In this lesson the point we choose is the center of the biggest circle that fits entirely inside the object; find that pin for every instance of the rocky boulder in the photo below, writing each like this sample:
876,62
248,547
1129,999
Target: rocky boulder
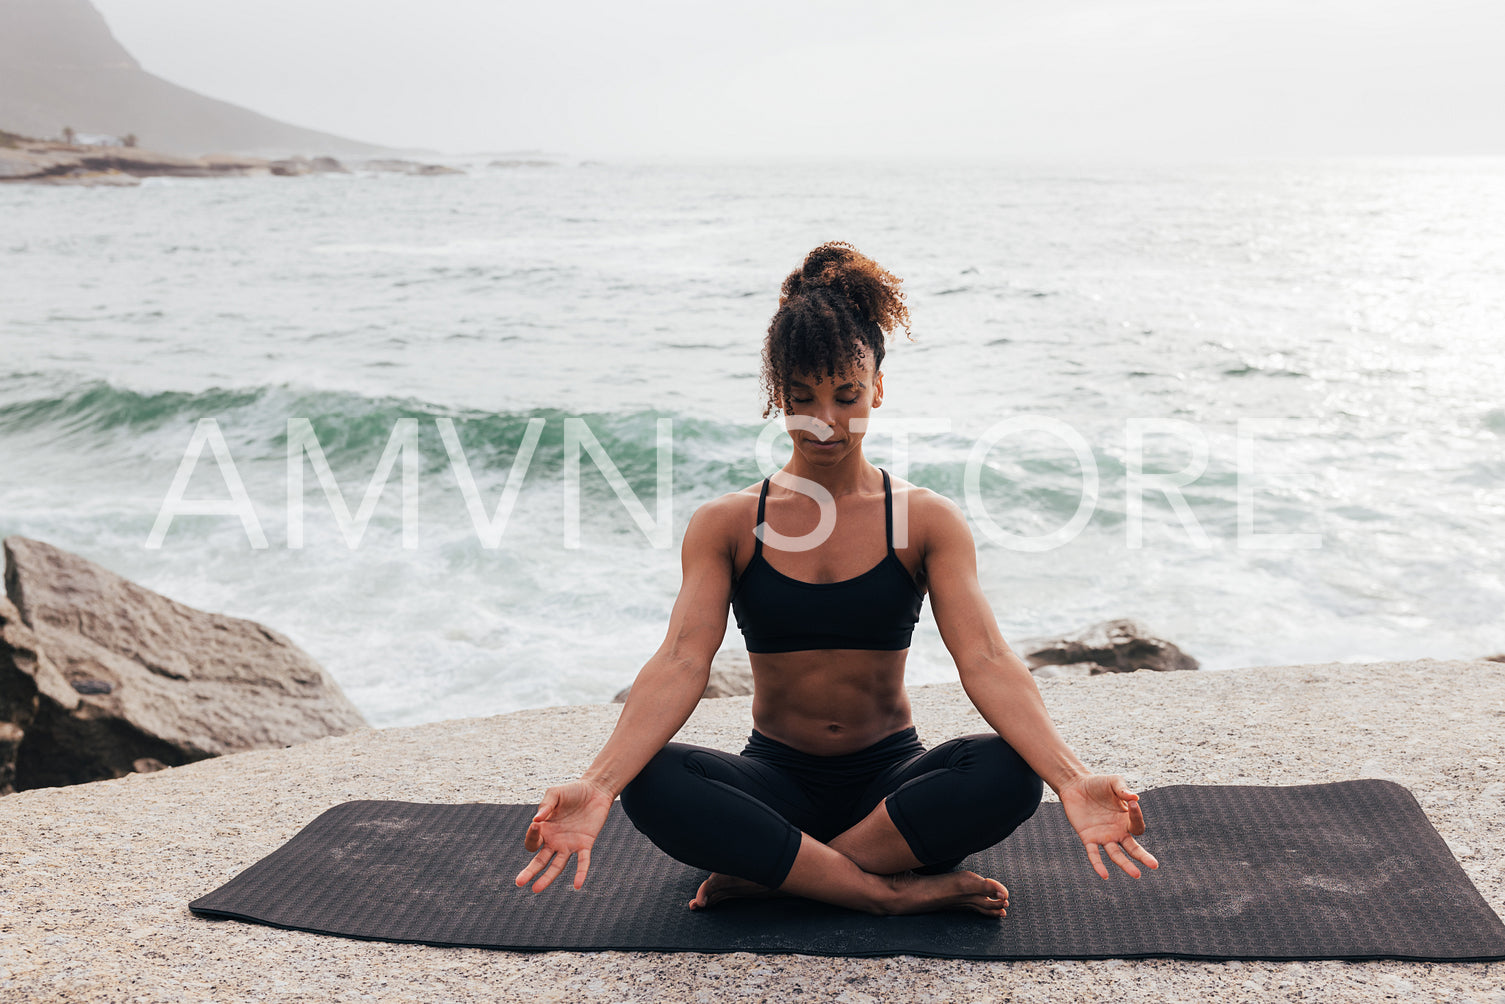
101,677
297,167
1116,646
409,167
731,676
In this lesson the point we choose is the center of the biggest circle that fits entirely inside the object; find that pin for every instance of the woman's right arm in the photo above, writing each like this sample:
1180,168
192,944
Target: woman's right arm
662,698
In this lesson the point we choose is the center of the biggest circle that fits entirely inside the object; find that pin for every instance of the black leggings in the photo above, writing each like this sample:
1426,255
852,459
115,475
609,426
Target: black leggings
743,814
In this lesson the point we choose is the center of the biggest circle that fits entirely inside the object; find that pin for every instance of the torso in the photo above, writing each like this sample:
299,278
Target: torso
839,700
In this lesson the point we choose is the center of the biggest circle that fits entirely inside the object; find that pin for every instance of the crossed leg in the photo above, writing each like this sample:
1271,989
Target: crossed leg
975,789
869,867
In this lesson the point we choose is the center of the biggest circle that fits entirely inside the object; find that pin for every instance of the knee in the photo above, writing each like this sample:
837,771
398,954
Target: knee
985,792
649,795
1016,789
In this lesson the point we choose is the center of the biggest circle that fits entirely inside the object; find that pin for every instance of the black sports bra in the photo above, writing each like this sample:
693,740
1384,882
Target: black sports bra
875,610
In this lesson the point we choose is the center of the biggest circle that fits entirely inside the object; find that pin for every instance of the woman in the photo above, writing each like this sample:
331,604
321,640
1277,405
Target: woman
834,798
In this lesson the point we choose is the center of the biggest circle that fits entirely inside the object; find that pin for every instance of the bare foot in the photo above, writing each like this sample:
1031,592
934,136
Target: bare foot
948,891
721,887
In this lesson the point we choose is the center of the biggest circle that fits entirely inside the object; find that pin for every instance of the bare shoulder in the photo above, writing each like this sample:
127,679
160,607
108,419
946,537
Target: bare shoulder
714,523
731,505
936,505
937,524
928,509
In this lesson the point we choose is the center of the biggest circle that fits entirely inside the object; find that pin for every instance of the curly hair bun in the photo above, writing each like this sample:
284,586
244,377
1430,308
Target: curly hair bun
837,304
871,289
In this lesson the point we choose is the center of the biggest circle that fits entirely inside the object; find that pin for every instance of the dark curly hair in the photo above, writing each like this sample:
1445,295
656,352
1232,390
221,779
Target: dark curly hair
830,307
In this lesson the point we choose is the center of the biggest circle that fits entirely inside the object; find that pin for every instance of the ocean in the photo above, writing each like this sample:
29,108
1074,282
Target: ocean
1307,352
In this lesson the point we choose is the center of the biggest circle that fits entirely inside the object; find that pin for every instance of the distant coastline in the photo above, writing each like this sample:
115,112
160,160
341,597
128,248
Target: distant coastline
55,162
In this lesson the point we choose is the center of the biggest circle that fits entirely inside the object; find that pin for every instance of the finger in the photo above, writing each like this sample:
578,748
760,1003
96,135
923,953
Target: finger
547,806
1122,860
534,867
1140,854
582,865
1136,818
1097,861
552,872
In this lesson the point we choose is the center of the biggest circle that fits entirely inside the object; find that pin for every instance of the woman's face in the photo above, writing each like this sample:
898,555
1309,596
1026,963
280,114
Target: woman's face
819,402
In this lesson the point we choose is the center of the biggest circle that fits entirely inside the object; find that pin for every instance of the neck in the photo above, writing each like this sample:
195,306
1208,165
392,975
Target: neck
849,475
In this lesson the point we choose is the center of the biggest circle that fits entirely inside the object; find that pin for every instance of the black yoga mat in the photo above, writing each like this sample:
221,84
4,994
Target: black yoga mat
1348,870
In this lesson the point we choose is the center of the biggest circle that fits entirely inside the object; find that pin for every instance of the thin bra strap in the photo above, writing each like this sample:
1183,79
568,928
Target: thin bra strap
758,547
888,511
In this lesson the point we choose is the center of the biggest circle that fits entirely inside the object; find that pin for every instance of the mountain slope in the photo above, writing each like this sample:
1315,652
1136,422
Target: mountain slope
61,66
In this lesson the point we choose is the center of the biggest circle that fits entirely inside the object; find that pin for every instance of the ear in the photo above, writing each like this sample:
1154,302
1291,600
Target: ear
877,388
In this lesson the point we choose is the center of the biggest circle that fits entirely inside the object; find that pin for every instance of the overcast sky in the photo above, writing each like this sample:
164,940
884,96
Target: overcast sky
850,77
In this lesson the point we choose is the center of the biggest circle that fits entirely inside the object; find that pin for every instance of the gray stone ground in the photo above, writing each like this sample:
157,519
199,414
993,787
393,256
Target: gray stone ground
95,879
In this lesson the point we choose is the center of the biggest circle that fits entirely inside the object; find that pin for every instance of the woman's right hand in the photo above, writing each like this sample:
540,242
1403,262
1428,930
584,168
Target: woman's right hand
566,823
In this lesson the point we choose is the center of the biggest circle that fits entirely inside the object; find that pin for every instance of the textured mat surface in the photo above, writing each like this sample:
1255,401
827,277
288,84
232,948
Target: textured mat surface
1348,870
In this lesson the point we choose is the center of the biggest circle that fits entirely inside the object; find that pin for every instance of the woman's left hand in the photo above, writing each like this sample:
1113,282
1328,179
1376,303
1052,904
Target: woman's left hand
1104,812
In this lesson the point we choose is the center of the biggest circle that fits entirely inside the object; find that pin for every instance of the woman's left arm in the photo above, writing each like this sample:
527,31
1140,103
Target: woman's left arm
1100,807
